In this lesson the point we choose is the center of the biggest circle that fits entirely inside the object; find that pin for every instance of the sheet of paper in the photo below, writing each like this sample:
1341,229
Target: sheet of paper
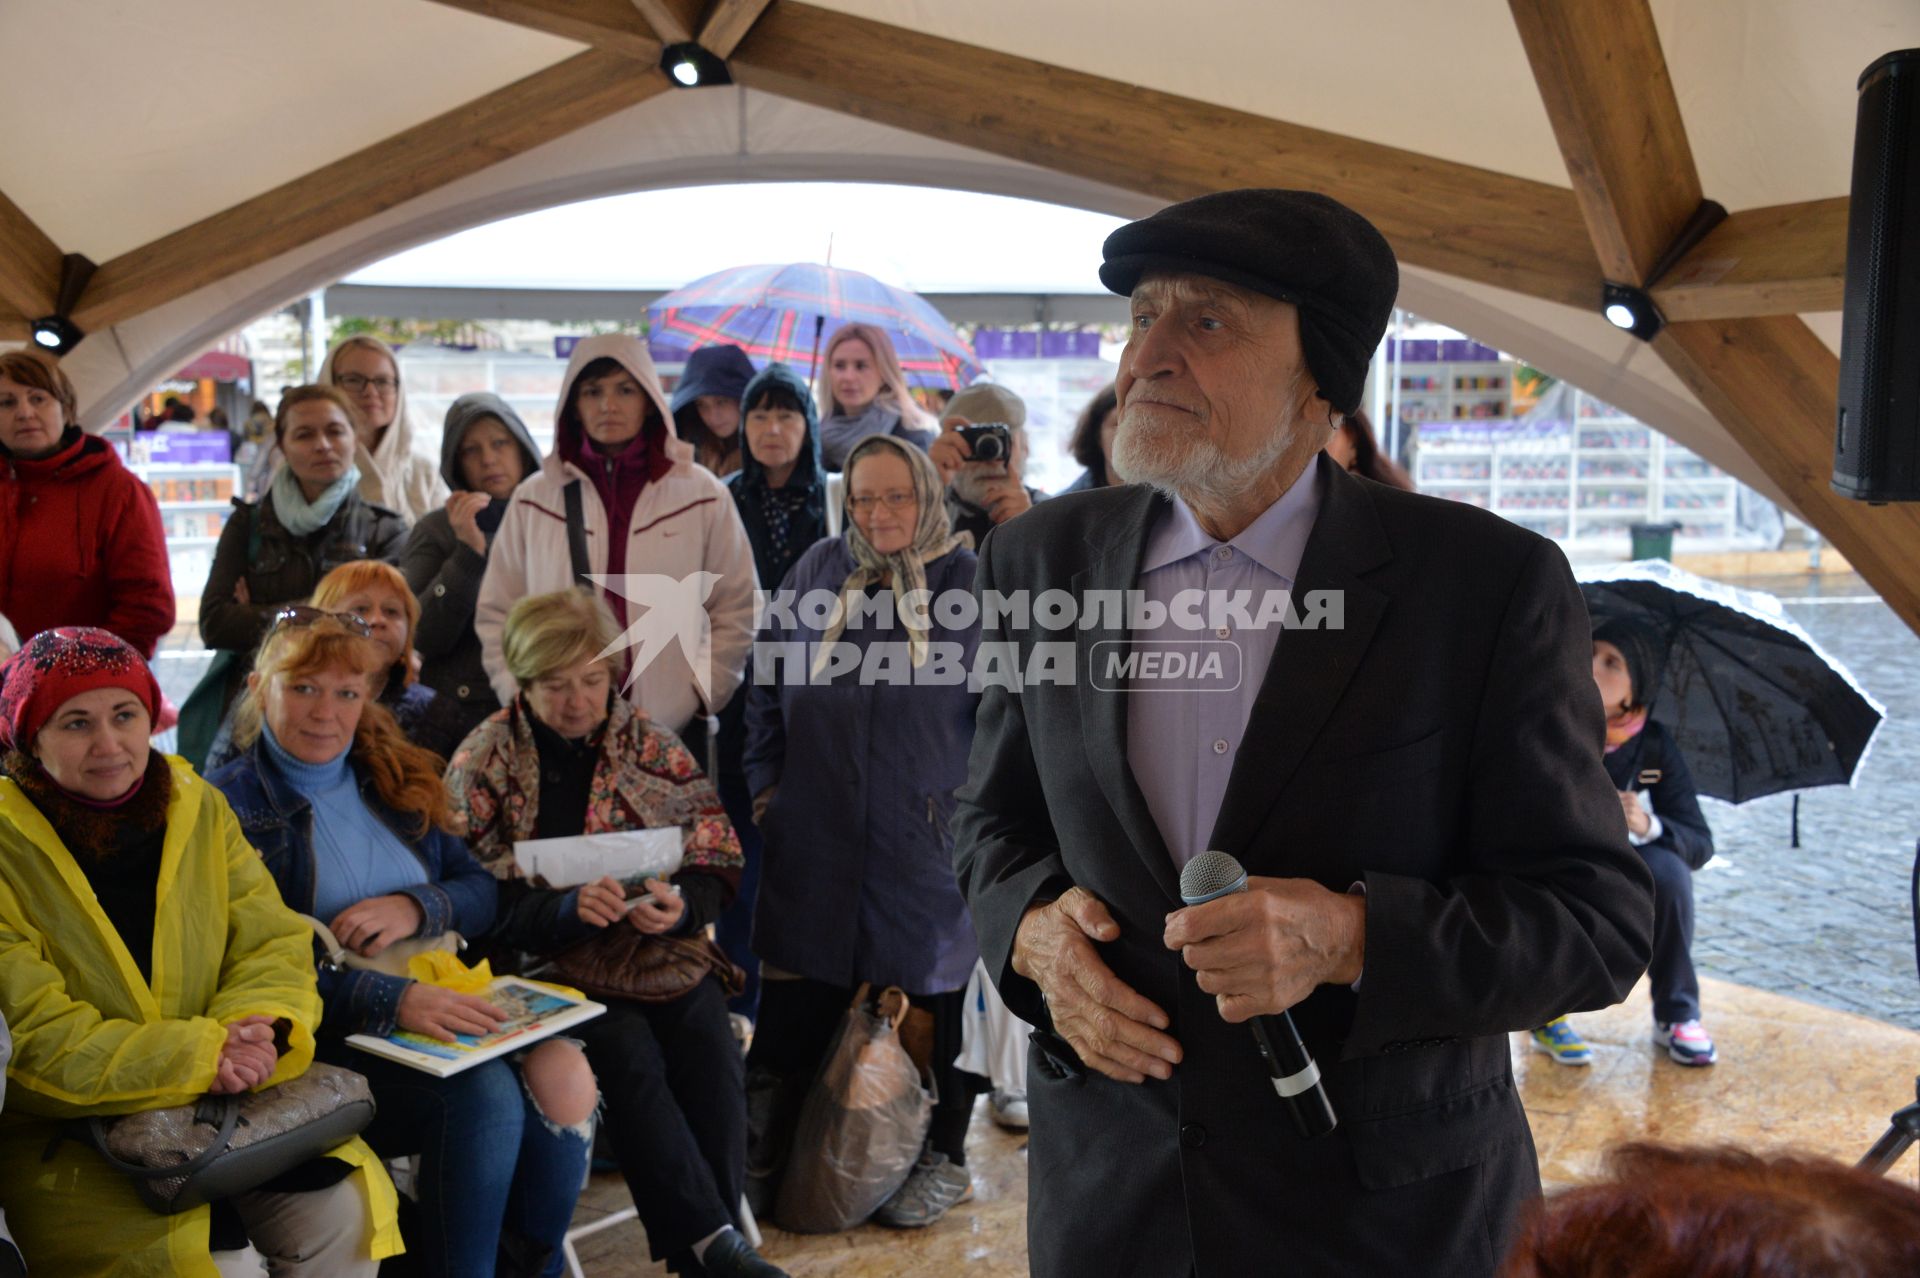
628,855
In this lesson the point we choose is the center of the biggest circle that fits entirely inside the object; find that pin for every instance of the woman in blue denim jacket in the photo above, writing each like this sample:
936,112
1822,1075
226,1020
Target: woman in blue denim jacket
353,823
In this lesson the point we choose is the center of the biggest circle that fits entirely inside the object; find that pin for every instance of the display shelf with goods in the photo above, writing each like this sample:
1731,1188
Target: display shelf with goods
195,499
1583,480
1448,380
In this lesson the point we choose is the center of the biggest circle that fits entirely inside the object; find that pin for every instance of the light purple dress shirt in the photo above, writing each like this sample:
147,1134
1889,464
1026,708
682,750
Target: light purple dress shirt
1181,741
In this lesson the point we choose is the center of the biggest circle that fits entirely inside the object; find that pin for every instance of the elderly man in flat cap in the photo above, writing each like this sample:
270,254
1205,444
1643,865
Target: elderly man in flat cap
1406,763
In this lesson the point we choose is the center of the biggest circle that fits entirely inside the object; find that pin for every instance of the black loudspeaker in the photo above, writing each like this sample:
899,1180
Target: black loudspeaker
1876,447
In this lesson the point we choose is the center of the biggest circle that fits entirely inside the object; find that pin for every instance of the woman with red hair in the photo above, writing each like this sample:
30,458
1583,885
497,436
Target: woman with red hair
357,830
1723,1213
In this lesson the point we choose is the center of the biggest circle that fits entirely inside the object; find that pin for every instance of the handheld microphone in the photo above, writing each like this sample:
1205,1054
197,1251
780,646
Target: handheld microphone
1296,1078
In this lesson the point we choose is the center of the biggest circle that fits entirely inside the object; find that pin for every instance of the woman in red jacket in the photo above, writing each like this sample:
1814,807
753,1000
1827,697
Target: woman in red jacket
80,536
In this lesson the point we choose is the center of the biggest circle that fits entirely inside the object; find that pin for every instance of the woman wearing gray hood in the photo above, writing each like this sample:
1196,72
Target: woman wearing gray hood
485,451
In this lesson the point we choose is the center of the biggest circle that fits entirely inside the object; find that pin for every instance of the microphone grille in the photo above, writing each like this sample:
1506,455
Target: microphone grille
1208,873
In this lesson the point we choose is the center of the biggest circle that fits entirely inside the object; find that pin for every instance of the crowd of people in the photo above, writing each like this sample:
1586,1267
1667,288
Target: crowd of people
420,666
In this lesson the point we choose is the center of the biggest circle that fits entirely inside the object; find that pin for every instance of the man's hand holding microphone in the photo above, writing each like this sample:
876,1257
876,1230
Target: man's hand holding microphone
1258,949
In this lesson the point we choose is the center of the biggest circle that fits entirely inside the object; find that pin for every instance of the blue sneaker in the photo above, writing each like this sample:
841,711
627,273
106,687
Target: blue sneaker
1557,1039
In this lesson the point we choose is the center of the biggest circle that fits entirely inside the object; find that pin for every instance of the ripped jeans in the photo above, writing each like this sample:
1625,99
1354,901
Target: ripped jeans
489,1159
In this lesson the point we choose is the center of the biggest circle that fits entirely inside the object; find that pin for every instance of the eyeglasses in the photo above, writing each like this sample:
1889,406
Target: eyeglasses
355,383
300,616
864,504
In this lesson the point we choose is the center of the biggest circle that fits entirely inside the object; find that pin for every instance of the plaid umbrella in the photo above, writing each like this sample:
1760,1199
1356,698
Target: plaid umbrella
776,312
1757,706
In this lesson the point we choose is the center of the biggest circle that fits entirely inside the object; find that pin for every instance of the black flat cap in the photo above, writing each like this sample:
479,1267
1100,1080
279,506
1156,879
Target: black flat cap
1298,246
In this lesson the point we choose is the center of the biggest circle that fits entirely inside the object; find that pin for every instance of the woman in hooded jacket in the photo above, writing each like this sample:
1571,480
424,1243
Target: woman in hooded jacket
648,519
80,536
706,405
864,392
392,474
485,451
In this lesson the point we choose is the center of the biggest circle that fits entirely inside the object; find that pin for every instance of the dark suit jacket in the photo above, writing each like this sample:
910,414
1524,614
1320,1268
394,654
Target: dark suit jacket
1443,747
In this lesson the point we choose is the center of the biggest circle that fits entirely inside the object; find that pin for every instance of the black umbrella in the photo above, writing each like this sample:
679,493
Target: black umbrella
1752,700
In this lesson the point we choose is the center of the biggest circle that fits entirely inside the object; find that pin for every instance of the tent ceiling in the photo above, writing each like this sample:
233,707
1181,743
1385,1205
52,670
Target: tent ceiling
257,94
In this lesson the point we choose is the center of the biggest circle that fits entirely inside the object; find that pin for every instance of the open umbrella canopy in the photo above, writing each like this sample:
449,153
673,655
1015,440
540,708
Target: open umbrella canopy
1756,704
777,312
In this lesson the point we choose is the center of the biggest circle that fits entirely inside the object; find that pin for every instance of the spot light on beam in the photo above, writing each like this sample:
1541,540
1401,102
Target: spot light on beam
691,67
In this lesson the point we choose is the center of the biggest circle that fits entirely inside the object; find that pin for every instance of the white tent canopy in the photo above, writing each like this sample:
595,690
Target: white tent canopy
196,106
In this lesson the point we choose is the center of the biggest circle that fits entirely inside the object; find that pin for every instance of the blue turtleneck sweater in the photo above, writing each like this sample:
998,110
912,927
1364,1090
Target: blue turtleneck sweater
355,854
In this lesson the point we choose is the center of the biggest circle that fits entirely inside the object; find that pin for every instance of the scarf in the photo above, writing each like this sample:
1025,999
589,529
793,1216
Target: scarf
933,537
1624,728
298,515
778,506
92,830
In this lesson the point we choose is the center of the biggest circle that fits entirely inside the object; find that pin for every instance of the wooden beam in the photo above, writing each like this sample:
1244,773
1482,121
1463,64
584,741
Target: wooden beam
15,328
728,24
1604,81
1774,385
504,123
1785,260
29,263
613,25
1473,223
674,21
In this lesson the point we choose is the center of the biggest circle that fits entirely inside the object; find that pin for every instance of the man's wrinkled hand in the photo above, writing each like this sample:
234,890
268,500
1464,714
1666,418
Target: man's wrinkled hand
1261,951
1115,1030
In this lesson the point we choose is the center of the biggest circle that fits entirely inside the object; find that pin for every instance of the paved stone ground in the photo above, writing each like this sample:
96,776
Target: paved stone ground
1830,922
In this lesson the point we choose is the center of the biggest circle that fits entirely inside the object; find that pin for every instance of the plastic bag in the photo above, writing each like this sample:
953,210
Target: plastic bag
862,1125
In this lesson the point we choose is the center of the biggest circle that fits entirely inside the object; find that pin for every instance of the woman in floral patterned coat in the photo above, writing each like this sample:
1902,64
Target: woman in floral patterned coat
569,756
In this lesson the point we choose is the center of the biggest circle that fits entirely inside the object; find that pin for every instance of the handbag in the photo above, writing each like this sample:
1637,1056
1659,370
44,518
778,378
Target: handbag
392,960
622,962
186,1156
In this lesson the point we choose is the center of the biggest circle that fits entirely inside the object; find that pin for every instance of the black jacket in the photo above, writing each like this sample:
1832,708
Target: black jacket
1442,747
444,573
1683,830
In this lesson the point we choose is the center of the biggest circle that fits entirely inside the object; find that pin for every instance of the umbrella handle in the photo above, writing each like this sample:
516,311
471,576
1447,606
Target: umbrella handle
813,361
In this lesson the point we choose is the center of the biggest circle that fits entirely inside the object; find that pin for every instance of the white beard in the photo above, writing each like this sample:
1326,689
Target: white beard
1200,474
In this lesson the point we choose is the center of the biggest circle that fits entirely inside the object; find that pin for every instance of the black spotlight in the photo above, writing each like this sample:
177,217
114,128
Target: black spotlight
1630,308
56,334
691,67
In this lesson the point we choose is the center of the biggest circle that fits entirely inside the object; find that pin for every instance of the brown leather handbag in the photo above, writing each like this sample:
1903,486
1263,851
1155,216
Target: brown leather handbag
622,962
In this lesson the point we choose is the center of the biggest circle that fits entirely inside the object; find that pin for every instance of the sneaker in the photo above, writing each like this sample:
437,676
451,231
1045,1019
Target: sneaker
1686,1043
1557,1039
1009,1110
933,1188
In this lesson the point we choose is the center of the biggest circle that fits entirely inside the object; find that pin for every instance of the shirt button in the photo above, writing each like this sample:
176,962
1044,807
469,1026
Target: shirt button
1220,747
1193,1135
439,589
1223,554
461,692
1225,632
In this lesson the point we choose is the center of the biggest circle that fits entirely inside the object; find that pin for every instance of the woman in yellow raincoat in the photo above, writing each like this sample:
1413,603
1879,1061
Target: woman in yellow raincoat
146,959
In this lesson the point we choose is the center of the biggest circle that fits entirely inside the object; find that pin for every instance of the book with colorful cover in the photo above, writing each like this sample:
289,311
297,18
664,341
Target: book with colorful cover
535,1010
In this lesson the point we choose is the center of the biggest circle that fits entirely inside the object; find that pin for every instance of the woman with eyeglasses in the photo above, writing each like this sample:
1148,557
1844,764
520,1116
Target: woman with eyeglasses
392,473
273,552
356,828
853,757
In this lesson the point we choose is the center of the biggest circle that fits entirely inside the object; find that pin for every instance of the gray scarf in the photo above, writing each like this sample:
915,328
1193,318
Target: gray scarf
298,515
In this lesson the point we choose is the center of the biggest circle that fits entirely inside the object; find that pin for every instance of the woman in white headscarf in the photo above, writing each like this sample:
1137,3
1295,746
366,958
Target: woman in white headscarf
854,757
392,473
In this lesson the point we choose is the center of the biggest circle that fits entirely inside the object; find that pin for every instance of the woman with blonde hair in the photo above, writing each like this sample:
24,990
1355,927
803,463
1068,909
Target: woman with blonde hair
355,827
392,473
146,962
567,757
864,392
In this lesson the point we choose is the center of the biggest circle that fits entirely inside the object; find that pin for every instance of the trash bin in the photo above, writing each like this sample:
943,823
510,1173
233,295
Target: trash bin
1652,541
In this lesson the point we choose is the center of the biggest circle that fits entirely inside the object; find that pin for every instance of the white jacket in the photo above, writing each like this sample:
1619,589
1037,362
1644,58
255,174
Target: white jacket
684,522
394,474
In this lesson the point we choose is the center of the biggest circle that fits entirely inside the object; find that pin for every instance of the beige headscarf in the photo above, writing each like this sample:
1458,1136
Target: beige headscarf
933,536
